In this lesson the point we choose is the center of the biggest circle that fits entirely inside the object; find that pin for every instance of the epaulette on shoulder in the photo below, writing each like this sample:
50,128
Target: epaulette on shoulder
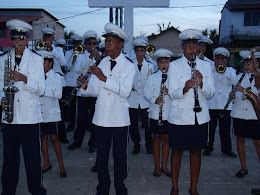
4,53
156,71
129,59
35,52
59,73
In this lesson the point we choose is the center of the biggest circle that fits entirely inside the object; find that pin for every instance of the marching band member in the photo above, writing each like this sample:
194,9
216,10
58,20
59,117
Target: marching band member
244,117
112,83
71,77
59,64
205,51
257,85
86,105
51,112
61,43
188,129
28,74
156,93
224,78
59,59
138,104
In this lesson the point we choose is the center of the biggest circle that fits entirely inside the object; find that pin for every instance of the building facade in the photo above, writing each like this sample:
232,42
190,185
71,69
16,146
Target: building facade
38,18
239,27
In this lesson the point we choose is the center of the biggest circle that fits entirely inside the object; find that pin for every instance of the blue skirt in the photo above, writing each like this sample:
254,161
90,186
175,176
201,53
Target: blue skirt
50,128
247,128
188,137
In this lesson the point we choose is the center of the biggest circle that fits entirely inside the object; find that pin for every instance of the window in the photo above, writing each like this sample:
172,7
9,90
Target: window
252,18
2,33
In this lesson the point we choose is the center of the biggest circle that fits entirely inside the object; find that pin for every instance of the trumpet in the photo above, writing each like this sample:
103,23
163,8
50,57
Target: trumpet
197,107
221,68
40,45
150,50
79,49
73,93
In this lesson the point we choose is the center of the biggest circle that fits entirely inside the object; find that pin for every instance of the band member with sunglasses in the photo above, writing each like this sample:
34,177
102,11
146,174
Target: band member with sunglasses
86,105
28,76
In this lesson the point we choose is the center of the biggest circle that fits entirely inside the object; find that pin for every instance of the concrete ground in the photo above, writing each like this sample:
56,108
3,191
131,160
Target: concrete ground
217,176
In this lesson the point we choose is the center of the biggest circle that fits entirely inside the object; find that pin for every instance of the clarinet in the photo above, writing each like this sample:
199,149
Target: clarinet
197,107
160,121
73,93
230,98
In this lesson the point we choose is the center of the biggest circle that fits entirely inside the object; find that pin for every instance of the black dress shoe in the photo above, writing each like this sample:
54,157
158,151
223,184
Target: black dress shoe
73,146
207,151
48,168
191,193
64,140
92,149
255,191
94,169
230,153
63,174
136,149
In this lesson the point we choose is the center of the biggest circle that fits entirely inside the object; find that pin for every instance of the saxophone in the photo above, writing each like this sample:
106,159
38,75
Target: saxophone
253,98
9,90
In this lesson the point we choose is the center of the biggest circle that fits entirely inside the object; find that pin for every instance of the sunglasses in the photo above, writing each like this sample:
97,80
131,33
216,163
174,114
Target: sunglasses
92,43
20,37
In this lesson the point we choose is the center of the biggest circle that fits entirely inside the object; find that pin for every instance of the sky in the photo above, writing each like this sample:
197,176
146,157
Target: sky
79,18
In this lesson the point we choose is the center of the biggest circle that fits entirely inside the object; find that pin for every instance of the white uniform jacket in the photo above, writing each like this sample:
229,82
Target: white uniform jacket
59,60
27,108
136,97
243,109
50,101
82,67
152,91
182,105
72,76
223,86
209,60
112,106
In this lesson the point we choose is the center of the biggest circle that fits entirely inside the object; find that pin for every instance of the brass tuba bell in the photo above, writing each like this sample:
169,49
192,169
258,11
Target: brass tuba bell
150,50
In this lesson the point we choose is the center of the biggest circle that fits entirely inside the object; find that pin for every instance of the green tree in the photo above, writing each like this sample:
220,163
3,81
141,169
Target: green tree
162,28
67,34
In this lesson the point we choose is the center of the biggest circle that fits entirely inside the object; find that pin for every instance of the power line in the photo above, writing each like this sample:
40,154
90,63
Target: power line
81,14
198,6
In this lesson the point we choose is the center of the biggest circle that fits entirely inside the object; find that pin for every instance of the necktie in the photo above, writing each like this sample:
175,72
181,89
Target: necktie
113,63
139,66
45,77
251,78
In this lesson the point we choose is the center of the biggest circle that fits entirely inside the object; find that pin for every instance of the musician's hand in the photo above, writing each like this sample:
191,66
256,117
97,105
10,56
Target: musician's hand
79,78
159,100
239,88
85,85
188,85
232,95
48,45
257,82
4,103
74,59
165,90
94,54
98,72
199,77
17,76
